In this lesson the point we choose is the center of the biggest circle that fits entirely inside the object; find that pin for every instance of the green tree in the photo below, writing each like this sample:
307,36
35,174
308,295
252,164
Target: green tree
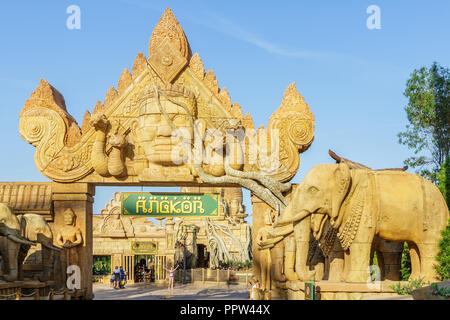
428,112
443,179
443,258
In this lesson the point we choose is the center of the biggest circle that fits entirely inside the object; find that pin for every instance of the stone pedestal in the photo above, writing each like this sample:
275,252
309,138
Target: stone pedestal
328,290
78,197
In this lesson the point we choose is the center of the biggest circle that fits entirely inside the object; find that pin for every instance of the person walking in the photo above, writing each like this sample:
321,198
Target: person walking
116,277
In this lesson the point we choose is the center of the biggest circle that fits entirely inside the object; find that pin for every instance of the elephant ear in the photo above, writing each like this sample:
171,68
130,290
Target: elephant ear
342,180
23,225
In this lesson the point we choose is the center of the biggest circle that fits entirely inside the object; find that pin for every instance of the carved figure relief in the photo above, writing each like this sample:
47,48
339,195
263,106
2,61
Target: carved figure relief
70,237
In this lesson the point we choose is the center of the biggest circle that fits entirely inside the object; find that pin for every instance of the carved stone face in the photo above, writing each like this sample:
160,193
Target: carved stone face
163,144
69,217
236,207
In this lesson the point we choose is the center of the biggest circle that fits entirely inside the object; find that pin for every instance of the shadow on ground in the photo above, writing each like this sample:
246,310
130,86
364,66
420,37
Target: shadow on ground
180,292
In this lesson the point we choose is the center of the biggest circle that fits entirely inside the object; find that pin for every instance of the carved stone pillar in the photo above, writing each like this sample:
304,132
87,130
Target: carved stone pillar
79,198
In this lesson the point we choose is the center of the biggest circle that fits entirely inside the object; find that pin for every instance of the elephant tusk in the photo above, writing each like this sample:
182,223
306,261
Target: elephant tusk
19,240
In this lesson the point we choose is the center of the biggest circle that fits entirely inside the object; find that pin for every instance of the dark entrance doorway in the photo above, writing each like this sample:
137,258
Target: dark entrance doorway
203,256
144,268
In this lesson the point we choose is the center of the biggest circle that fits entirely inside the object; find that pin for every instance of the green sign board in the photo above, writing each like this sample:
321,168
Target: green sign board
154,204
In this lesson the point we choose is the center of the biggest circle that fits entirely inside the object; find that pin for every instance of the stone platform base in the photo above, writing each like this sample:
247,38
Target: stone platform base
325,290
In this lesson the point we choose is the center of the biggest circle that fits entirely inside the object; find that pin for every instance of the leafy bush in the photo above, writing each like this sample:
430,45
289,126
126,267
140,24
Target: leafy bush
405,268
442,291
406,289
236,264
443,258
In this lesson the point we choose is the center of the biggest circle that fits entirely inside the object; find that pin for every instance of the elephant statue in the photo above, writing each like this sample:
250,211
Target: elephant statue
17,234
363,204
34,228
305,256
12,246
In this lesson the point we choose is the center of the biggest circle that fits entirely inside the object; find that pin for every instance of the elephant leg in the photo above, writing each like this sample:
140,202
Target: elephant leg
23,252
415,261
381,264
46,264
428,253
336,266
277,256
302,231
12,261
359,262
289,259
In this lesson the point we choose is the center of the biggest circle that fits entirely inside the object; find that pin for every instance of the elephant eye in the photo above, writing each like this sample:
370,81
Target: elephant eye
313,189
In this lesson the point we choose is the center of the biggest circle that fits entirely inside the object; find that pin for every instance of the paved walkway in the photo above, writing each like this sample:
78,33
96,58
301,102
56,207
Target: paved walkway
142,291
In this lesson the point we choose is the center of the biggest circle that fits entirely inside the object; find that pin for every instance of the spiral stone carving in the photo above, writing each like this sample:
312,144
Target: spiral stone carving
44,129
301,132
293,124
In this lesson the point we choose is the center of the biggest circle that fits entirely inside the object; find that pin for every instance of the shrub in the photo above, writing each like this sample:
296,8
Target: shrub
405,268
442,291
443,258
406,289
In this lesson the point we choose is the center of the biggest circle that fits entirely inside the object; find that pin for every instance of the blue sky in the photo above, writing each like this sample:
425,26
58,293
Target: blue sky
352,78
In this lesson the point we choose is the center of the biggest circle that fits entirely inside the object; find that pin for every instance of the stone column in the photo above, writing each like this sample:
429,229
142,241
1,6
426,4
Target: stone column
79,198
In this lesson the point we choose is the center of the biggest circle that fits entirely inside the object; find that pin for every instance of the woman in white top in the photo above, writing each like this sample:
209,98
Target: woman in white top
254,289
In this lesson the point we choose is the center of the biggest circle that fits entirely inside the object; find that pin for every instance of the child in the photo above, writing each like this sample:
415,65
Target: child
116,277
123,278
113,277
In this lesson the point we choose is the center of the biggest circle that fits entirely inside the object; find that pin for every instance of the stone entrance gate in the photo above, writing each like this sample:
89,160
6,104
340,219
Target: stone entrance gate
166,124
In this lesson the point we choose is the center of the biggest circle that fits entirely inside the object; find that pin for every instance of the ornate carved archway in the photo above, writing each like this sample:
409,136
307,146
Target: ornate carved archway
167,124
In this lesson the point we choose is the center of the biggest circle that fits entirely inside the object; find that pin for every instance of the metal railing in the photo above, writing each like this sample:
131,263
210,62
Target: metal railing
63,294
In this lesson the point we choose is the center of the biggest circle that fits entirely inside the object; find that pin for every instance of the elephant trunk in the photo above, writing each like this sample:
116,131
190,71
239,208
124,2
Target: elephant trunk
291,215
20,240
52,247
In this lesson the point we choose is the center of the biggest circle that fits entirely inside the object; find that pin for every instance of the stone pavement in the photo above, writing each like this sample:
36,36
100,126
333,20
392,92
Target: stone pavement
142,291
393,297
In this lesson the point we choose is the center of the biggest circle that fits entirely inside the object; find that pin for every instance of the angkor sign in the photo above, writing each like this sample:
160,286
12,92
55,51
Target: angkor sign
144,247
170,204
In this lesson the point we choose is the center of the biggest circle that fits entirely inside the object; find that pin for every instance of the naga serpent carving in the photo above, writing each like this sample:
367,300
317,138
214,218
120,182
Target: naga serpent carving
114,164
